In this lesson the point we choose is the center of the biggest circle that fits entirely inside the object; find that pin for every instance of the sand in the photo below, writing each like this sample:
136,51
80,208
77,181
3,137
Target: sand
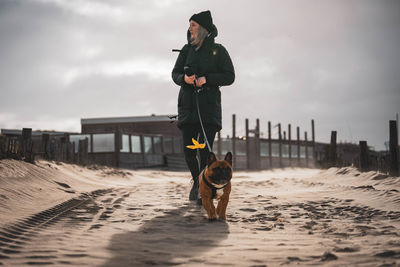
67,215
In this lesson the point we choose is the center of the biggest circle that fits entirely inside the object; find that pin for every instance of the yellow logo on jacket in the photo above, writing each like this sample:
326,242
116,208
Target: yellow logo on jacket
196,145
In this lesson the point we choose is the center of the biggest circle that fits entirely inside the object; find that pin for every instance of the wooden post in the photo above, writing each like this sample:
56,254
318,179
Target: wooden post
298,146
162,144
10,146
3,141
63,149
130,143
53,148
118,145
85,151
280,145
74,154
7,147
219,148
269,144
258,148
67,147
45,145
91,144
247,144
81,146
57,144
142,149
364,162
332,150
306,147
290,143
397,125
25,135
313,143
153,150
71,152
27,145
234,140
393,148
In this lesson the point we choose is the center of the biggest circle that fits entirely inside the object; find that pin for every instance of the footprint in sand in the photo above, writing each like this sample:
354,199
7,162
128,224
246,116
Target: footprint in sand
346,249
96,226
63,184
248,210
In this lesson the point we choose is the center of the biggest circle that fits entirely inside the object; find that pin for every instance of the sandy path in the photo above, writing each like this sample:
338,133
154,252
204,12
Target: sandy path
284,217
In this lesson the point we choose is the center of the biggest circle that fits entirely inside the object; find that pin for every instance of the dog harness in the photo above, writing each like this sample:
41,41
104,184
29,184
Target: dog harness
213,188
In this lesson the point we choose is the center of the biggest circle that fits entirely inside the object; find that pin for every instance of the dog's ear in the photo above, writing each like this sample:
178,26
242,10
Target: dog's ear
228,158
211,158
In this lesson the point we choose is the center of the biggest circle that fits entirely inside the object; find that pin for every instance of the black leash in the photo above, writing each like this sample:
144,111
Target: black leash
196,92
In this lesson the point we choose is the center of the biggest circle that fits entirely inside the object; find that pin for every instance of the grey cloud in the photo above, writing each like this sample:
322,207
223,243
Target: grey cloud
334,61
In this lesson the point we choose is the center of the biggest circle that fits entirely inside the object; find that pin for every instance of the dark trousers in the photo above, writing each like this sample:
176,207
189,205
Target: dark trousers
190,131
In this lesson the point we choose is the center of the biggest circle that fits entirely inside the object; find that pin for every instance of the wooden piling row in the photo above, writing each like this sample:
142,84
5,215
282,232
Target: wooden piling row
26,147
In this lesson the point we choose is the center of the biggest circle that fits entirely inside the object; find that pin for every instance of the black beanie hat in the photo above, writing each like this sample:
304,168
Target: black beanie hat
204,19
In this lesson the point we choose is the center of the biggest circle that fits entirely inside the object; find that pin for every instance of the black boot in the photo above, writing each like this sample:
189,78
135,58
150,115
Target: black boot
194,192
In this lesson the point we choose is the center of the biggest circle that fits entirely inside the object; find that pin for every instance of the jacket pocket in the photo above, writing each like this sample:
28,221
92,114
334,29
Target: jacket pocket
213,96
185,98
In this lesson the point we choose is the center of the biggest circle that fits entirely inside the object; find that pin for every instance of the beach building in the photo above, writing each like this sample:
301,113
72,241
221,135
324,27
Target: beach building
132,142
155,141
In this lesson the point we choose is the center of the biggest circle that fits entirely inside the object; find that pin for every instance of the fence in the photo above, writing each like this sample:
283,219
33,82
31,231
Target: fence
364,158
27,147
252,152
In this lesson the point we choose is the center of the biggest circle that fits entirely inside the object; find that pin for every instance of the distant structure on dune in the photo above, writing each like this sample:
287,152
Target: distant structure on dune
155,141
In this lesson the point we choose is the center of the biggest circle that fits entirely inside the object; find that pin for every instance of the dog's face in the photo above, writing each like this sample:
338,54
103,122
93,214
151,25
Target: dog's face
219,171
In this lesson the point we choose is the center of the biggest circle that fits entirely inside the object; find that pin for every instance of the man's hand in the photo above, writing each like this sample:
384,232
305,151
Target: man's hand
200,81
190,79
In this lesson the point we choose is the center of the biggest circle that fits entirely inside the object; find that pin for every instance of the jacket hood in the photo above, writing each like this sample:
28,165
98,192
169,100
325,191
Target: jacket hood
211,35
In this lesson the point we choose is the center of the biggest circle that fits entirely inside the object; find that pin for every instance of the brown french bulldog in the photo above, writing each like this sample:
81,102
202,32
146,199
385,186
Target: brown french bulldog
215,183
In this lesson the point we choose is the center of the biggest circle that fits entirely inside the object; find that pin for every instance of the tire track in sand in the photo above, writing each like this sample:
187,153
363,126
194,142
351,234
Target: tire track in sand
20,242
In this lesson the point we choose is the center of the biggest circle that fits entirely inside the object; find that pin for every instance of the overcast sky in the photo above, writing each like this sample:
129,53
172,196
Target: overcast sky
337,62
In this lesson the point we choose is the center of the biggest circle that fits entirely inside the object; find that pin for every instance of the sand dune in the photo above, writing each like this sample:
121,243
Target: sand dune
67,215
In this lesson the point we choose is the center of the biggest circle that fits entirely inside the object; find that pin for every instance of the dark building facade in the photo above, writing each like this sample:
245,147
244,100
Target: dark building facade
132,142
155,124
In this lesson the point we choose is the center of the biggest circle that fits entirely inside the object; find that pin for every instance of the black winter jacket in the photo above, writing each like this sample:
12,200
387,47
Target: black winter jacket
212,61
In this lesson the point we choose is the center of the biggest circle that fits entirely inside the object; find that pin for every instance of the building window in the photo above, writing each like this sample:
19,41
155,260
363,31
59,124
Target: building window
157,144
275,149
264,149
125,143
178,145
294,151
168,144
302,152
136,147
285,151
103,143
148,147
226,145
241,149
